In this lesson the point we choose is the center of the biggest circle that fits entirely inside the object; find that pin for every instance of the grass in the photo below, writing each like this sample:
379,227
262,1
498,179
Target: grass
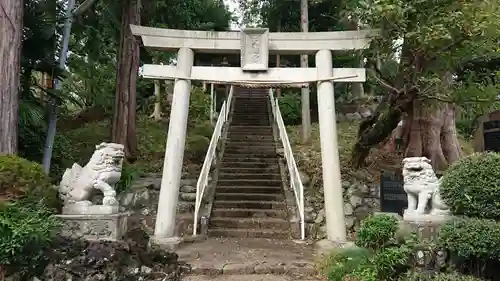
152,136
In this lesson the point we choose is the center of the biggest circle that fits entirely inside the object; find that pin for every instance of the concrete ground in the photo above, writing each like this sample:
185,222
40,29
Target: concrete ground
248,259
253,277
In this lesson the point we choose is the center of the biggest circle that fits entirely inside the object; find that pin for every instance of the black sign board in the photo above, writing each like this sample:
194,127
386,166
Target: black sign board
393,198
491,132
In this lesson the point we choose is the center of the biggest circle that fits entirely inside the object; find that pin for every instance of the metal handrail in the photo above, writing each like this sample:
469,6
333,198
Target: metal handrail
293,171
210,156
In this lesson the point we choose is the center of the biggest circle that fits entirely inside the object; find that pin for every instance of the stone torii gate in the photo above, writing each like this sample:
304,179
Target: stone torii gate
255,45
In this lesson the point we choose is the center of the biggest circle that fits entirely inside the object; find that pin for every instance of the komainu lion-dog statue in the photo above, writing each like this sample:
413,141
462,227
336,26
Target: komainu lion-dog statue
422,187
102,172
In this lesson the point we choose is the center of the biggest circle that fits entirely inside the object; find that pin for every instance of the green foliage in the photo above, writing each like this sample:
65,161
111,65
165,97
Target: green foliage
26,229
377,231
129,174
471,186
454,276
471,238
344,262
199,106
20,179
290,107
380,257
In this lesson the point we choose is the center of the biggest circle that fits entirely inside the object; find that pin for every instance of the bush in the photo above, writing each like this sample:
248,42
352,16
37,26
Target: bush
377,231
471,238
417,276
345,262
196,147
471,186
26,230
199,106
290,107
203,129
129,174
23,179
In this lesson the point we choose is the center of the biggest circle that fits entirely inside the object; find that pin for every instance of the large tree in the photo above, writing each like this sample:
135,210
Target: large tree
11,30
124,118
434,37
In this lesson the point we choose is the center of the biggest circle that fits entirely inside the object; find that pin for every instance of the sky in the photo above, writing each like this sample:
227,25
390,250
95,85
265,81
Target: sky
233,6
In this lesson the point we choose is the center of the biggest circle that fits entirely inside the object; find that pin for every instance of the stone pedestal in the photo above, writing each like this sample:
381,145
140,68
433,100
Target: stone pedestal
108,227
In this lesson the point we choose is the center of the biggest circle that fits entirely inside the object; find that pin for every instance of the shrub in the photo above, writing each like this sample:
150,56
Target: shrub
345,262
196,147
129,174
199,106
471,186
26,229
377,231
290,107
203,129
418,276
23,179
471,238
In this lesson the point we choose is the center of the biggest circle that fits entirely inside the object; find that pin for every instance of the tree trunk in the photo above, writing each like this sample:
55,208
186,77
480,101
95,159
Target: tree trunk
304,62
157,111
430,131
124,118
11,28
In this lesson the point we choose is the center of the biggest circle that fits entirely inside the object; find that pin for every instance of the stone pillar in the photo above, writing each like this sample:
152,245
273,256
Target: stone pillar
332,183
174,151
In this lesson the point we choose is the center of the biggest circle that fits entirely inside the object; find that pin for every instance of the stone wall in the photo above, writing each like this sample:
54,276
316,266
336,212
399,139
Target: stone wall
142,199
360,200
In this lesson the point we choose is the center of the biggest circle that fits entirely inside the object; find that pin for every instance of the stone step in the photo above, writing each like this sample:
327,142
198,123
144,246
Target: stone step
250,223
250,138
251,182
247,176
250,170
248,213
254,145
228,159
245,122
251,154
250,233
249,165
261,132
257,150
237,143
270,205
248,196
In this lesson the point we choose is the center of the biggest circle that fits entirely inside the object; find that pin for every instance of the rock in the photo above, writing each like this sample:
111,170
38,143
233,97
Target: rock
191,182
356,201
125,199
349,222
188,189
319,219
353,116
147,182
304,178
348,210
80,260
190,197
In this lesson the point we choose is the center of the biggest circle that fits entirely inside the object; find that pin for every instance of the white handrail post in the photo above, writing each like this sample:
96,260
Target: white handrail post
209,159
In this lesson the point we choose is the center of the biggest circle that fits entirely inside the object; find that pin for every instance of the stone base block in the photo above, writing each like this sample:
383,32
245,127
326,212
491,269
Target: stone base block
95,227
79,209
425,218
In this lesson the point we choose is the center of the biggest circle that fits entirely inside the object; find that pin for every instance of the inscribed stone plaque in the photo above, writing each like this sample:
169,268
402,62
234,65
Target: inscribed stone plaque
491,132
393,198
254,49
